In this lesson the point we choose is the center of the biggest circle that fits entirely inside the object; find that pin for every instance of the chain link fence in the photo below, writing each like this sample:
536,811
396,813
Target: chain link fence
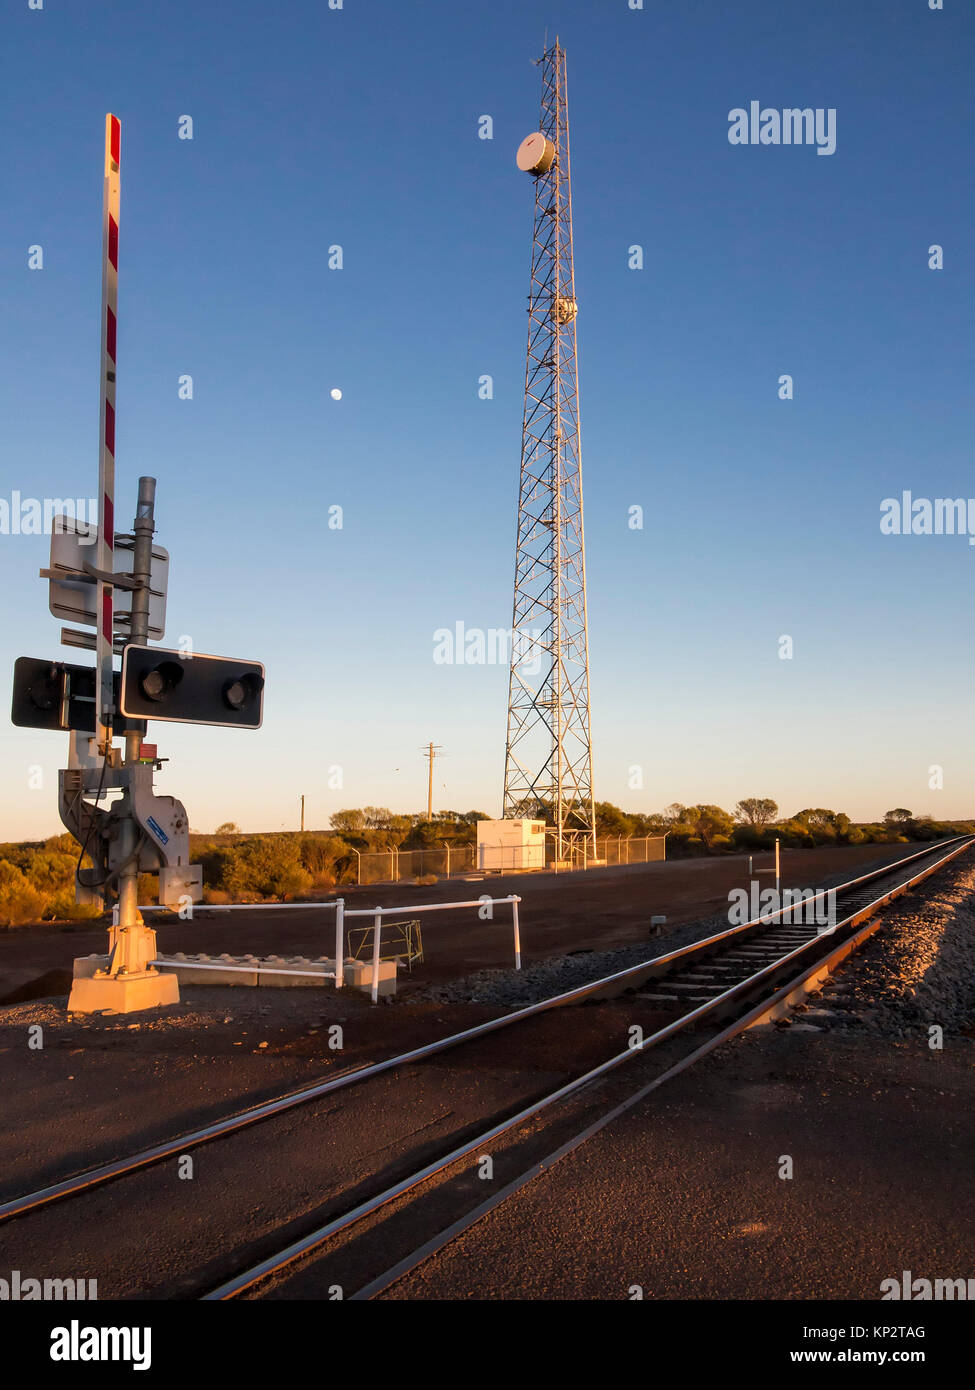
407,865
650,849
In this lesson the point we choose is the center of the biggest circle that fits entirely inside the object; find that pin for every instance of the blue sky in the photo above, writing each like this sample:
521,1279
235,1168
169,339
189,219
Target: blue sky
359,127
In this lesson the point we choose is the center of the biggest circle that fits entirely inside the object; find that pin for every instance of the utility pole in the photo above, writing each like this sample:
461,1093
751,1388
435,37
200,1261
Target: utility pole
302,812
431,751
548,756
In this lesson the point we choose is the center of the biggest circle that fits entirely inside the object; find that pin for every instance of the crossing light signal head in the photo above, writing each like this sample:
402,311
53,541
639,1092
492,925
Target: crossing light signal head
191,689
240,691
158,682
39,694
60,695
45,692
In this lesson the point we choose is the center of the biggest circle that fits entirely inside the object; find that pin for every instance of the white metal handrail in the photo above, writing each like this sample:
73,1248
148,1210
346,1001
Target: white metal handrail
338,904
378,913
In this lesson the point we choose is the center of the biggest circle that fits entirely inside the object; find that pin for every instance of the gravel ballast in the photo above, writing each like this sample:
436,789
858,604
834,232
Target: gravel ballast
918,970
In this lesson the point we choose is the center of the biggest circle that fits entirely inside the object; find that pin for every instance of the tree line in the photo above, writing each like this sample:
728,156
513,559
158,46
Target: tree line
37,878
755,823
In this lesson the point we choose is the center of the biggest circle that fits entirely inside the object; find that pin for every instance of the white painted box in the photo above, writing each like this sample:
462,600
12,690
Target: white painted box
510,844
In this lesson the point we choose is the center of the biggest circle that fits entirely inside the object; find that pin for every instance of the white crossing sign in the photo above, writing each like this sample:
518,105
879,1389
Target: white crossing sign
73,591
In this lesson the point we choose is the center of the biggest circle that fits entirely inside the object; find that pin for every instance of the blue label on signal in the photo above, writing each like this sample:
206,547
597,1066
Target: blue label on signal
158,831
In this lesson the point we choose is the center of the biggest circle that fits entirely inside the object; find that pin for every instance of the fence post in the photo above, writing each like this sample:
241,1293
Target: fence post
358,867
377,931
447,848
777,875
514,919
339,943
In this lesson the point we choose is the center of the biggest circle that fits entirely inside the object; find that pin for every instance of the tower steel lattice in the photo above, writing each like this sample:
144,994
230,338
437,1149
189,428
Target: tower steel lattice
548,758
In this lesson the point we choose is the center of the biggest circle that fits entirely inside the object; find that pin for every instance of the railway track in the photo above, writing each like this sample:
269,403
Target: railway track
745,972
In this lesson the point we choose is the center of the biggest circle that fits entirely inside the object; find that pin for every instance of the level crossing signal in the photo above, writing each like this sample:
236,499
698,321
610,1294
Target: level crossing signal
158,683
59,695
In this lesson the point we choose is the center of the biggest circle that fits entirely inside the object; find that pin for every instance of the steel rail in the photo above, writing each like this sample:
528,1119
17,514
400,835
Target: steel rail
770,1008
306,1244
108,1172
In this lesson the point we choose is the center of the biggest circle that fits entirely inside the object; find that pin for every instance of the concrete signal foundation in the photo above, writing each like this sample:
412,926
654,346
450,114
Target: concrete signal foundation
94,991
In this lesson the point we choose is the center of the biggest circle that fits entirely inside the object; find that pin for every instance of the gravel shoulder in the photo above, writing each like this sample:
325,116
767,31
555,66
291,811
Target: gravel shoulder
918,971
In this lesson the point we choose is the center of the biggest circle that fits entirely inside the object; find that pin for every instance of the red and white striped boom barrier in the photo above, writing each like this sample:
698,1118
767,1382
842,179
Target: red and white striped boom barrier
106,443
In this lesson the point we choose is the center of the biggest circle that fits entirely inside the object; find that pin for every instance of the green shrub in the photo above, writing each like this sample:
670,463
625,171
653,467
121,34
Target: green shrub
323,883
217,862
49,871
328,858
266,868
20,901
794,833
63,844
64,908
748,837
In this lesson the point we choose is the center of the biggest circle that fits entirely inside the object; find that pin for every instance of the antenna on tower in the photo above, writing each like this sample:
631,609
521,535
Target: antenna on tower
548,757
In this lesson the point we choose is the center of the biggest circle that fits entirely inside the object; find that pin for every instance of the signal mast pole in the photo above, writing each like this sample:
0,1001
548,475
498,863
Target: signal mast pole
134,944
137,942
548,757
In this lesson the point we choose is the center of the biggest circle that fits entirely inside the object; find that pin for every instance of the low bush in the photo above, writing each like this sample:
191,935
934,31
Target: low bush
266,868
62,907
20,901
748,837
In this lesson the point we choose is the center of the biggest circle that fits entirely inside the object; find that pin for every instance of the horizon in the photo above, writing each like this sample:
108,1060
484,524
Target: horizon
420,818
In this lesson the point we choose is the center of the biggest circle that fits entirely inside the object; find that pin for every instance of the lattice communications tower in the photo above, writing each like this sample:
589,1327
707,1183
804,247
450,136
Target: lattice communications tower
548,757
